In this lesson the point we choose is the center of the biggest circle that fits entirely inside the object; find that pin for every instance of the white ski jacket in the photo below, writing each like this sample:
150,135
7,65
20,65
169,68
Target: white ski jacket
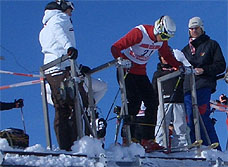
56,37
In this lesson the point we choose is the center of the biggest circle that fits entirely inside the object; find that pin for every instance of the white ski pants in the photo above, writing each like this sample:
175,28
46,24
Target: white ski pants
175,113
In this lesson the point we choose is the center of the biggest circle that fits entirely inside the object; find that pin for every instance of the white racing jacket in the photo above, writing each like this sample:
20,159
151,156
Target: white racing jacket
56,37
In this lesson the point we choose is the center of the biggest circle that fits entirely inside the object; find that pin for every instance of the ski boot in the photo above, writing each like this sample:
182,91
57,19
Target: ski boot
150,145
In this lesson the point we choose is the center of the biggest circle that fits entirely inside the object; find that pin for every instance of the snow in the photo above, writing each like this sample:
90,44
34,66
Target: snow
98,157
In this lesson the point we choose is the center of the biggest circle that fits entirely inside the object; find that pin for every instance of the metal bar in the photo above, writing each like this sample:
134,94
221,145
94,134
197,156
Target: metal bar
169,76
45,111
195,109
161,104
102,67
124,108
54,62
87,124
77,108
91,105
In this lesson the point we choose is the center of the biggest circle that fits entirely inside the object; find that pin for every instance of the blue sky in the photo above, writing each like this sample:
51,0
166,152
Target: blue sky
97,24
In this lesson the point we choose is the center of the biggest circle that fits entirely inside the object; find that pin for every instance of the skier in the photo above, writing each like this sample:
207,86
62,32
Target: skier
205,55
16,104
137,46
57,39
173,104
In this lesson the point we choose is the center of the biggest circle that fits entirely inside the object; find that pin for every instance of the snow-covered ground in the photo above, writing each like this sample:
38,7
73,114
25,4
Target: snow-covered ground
96,156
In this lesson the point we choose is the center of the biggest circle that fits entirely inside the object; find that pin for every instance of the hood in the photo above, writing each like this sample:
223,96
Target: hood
48,14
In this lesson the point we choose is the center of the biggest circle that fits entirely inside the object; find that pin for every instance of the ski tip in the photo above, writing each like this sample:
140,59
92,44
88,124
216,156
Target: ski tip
197,142
214,145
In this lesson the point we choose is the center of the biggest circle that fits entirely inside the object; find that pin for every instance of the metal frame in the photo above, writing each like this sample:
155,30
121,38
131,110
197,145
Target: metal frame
195,107
78,111
124,108
161,101
91,105
196,115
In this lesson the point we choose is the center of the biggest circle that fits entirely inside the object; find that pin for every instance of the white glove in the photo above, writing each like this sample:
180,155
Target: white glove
180,57
125,63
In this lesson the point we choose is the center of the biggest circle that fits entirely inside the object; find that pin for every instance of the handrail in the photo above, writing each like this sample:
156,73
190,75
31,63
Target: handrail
91,101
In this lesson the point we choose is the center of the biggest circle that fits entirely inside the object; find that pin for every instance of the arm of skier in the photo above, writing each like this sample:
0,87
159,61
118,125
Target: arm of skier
6,106
168,56
131,38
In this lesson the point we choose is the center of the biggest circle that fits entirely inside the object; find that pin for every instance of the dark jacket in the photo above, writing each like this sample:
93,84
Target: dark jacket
7,106
208,55
169,85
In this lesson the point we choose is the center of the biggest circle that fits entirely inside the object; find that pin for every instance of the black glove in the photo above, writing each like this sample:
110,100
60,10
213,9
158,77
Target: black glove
19,103
84,69
72,52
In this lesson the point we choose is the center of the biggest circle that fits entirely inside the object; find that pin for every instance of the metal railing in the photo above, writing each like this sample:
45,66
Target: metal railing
77,103
196,115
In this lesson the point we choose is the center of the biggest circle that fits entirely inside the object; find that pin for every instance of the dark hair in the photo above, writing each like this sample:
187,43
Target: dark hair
65,4
52,6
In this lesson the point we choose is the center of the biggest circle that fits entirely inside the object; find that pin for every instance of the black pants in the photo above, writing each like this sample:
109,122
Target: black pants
64,122
138,89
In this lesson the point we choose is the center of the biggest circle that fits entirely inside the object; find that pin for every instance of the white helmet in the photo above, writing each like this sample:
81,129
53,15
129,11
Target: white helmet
166,26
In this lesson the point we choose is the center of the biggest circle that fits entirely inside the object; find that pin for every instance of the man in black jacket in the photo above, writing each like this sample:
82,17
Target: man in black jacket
205,55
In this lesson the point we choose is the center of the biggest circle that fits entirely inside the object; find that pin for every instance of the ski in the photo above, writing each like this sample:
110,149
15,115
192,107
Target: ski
41,154
175,158
196,144
181,148
212,146
219,106
204,148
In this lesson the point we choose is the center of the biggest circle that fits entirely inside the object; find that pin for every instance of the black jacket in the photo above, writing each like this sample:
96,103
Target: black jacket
7,106
208,55
169,85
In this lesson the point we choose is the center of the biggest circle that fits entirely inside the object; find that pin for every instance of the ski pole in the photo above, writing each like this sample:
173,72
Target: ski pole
22,118
114,99
112,105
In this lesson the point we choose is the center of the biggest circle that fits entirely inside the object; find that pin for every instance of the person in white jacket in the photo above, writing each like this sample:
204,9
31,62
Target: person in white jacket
57,38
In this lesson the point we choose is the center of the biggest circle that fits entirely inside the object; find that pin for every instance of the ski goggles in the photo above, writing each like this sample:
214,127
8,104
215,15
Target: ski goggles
164,36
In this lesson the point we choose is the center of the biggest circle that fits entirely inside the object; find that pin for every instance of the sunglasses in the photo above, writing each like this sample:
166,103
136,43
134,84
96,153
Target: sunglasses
195,28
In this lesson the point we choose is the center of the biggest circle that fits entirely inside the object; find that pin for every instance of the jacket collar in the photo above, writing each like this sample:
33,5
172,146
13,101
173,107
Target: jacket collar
201,39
